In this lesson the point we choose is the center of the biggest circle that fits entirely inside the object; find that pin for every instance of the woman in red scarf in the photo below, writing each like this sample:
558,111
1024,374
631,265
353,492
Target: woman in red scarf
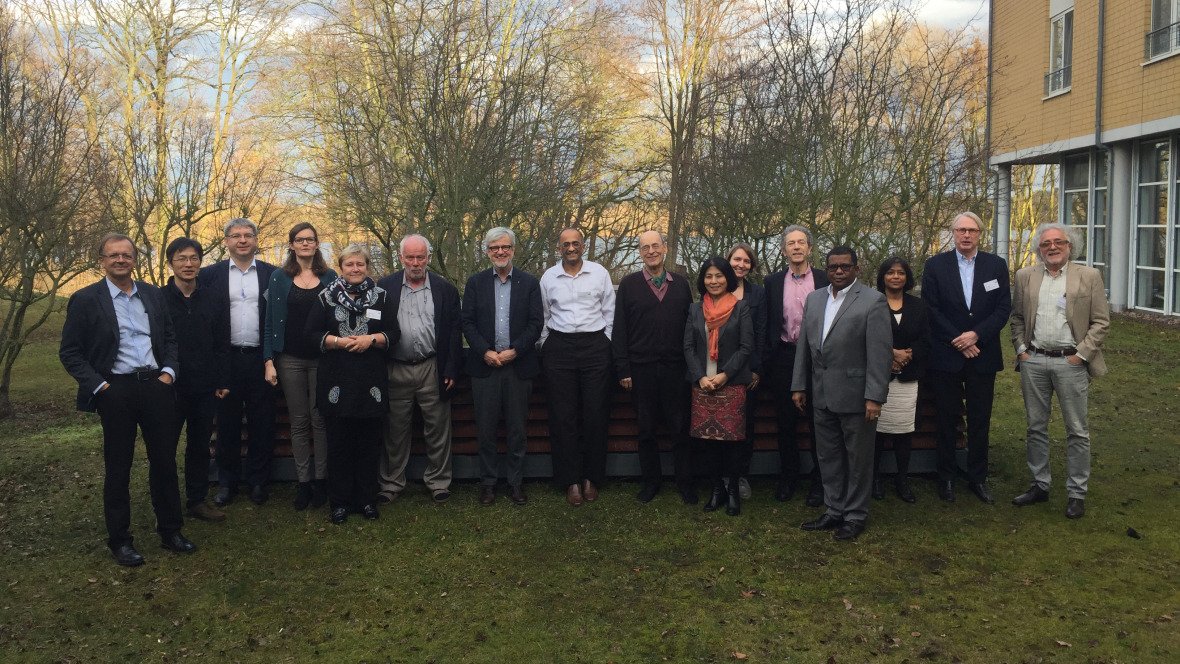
718,343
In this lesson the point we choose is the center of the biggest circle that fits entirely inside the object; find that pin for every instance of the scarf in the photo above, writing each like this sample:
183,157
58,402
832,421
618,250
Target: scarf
341,293
716,314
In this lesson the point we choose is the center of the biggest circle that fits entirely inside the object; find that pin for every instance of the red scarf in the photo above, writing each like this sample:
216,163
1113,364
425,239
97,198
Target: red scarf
716,313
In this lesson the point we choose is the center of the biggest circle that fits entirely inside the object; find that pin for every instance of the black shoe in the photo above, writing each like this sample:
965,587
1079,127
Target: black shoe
850,530
225,496
825,522
258,494
302,496
688,496
127,556
648,492
946,491
734,506
785,490
319,493
904,491
878,490
370,512
177,543
339,515
815,494
1076,508
982,492
1035,494
720,497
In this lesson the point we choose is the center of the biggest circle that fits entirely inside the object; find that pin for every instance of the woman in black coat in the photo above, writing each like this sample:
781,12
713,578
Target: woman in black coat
911,344
355,324
718,342
744,262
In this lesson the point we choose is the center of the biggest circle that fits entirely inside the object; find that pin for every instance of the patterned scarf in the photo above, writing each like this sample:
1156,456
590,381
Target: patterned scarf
716,314
357,298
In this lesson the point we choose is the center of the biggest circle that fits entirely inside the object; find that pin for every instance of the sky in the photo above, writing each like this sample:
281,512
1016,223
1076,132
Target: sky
954,13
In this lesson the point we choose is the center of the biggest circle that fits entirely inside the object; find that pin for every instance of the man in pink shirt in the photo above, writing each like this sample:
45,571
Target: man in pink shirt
786,290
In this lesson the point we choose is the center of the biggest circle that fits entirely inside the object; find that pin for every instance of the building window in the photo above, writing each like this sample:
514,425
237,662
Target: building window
1060,52
1164,37
1152,224
1083,204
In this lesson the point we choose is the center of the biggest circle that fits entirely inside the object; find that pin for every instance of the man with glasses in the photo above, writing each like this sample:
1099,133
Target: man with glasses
242,279
118,343
967,297
502,319
1060,318
651,311
844,363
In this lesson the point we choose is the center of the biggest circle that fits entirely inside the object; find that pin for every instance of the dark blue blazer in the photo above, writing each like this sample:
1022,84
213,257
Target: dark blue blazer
90,336
525,319
949,317
216,278
447,324
755,299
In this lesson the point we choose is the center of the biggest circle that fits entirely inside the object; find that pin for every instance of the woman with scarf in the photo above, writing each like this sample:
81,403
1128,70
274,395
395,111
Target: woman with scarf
355,325
718,345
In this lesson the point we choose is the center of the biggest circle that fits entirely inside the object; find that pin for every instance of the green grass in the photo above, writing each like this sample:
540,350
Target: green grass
613,581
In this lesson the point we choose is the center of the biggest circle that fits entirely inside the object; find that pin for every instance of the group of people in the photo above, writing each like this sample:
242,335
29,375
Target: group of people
354,355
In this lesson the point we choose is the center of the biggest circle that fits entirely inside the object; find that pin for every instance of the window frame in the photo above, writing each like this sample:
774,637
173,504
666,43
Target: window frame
1058,80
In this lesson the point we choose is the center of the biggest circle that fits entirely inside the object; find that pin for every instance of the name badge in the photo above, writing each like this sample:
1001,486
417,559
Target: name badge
990,286
373,314
1061,302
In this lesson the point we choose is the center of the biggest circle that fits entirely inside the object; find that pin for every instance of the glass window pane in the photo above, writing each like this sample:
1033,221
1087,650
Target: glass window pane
1175,292
1153,161
1099,245
1153,205
1075,209
1152,245
1101,169
1077,172
1098,213
1149,289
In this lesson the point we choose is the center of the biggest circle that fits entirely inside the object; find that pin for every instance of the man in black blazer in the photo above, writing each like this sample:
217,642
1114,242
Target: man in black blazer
502,319
242,280
118,343
784,317
423,366
967,298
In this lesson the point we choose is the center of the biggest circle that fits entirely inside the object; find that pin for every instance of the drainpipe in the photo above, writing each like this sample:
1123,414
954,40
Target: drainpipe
1002,209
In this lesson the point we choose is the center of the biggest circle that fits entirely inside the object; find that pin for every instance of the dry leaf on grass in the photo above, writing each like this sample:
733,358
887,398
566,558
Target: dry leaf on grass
847,605
739,655
1064,644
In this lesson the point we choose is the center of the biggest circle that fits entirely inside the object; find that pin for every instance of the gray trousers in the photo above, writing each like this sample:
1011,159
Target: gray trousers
297,377
502,394
1040,377
410,384
844,444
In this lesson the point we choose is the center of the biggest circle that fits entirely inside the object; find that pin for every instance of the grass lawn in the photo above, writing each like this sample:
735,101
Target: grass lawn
614,581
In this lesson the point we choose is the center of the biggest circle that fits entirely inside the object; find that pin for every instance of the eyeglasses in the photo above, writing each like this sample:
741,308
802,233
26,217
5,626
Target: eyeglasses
571,245
186,259
1054,243
967,231
302,240
240,236
119,257
500,248
841,267
655,246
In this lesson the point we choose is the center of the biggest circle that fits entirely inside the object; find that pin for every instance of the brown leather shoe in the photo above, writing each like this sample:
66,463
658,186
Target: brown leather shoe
589,492
574,495
487,495
518,496
205,512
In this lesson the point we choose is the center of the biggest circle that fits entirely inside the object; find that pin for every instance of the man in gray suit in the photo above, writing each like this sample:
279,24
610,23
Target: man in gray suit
844,357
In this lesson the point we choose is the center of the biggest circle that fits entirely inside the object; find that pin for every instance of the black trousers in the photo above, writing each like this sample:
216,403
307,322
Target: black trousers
505,395
577,372
660,394
148,404
195,412
782,368
252,396
725,459
979,389
354,458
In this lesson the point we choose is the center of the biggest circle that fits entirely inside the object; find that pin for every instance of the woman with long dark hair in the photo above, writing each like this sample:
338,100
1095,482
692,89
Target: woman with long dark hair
744,262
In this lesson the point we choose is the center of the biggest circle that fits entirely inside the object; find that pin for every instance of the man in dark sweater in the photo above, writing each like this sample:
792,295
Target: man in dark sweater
651,309
202,337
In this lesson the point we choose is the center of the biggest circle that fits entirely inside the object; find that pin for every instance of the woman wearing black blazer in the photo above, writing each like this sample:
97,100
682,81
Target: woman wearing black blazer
718,343
744,262
911,345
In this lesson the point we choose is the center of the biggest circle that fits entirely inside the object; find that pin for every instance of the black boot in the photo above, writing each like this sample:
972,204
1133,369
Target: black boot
717,499
734,506
319,493
878,490
302,496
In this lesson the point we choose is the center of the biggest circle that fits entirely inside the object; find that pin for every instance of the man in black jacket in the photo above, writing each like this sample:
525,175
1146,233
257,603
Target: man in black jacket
502,319
201,321
651,309
118,343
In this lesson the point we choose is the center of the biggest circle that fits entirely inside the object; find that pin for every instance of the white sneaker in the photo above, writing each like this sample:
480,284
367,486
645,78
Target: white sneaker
744,488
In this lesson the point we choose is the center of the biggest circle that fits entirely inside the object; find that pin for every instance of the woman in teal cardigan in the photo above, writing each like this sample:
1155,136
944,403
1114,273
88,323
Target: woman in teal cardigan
292,357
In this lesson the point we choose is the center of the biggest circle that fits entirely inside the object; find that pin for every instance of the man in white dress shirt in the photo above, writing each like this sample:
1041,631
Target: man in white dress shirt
579,304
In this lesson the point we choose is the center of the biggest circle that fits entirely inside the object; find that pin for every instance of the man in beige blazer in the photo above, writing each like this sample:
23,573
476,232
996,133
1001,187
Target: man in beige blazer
1060,318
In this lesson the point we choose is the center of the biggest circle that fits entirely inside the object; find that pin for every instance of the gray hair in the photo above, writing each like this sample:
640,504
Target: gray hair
497,233
353,249
240,222
970,215
782,240
1071,236
401,247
